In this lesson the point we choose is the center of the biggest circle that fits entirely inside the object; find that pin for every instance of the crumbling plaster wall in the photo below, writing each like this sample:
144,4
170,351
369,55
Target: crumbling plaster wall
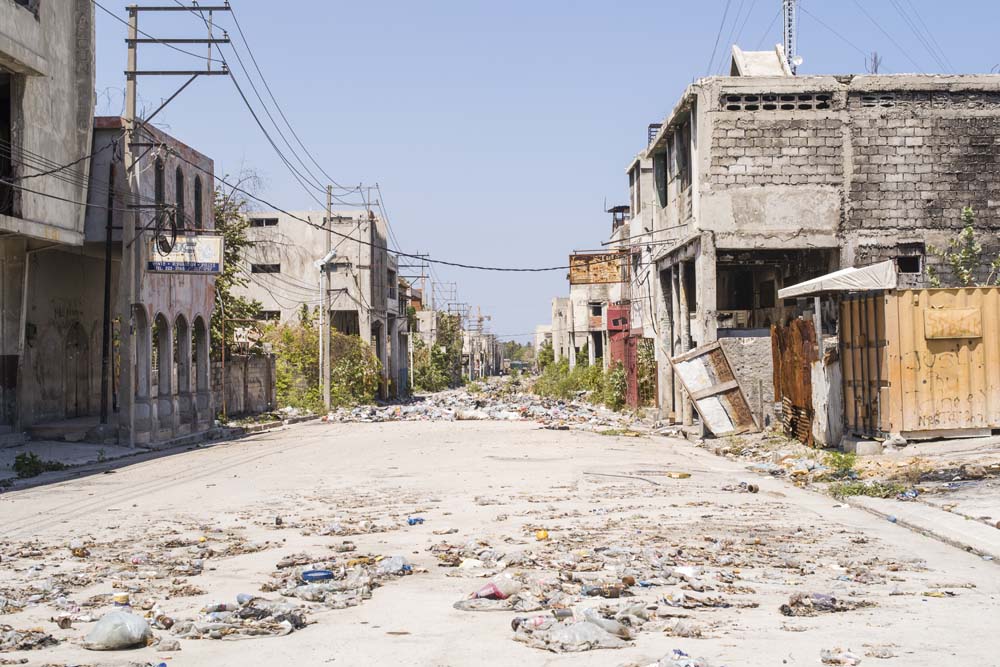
52,56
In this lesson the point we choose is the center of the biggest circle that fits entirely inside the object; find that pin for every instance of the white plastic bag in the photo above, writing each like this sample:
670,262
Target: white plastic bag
118,630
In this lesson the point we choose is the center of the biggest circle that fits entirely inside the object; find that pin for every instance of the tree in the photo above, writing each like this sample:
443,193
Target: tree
231,221
546,355
965,257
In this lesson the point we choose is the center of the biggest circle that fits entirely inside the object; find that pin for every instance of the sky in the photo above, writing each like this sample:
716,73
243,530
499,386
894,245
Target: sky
498,132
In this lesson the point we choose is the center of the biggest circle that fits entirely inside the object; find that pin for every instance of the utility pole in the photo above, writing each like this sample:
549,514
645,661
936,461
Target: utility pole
132,249
106,332
325,318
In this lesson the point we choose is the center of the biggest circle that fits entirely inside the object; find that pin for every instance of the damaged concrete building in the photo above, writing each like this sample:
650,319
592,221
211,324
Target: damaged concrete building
762,179
363,279
50,307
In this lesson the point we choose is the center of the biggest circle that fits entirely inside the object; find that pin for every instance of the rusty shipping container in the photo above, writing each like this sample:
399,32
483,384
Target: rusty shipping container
921,363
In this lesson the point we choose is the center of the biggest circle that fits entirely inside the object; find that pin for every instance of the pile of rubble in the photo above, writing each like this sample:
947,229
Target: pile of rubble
493,401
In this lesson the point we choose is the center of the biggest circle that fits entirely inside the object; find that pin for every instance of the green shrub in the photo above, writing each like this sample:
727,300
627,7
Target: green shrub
875,489
615,388
28,464
842,464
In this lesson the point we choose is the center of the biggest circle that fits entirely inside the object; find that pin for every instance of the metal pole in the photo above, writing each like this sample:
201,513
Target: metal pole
130,249
325,321
106,333
222,313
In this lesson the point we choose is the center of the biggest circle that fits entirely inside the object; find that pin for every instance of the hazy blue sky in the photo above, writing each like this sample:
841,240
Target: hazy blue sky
498,130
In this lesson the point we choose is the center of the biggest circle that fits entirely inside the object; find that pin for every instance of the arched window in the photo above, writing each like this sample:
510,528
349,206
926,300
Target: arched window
179,193
158,182
198,214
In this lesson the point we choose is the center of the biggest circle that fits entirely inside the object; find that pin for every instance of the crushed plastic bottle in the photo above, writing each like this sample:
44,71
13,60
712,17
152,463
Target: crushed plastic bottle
394,565
500,587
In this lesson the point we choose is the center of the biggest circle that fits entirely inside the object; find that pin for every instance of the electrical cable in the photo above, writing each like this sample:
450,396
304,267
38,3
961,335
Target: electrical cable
919,35
832,30
157,39
930,35
887,35
769,28
718,36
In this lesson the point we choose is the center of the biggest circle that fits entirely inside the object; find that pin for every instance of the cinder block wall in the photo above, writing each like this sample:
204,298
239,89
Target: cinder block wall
752,364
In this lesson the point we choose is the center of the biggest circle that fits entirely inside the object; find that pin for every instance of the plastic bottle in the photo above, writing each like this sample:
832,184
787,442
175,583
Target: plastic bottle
500,587
532,622
606,591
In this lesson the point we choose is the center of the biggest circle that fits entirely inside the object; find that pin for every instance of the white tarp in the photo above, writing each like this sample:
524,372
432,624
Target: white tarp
877,277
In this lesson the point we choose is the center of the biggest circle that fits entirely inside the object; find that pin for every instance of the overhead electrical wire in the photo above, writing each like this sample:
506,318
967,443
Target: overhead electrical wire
718,36
919,35
834,31
888,36
199,56
769,28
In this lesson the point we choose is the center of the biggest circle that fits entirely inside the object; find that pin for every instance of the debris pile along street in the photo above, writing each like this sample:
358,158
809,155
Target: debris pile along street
386,541
496,400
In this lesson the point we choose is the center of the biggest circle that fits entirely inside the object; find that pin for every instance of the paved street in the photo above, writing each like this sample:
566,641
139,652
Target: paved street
499,482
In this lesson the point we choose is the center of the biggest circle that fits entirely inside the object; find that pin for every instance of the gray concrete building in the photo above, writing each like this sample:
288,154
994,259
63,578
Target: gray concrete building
364,286
50,319
762,179
162,382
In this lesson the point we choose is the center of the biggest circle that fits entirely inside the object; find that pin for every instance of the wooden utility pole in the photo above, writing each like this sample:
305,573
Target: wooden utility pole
325,316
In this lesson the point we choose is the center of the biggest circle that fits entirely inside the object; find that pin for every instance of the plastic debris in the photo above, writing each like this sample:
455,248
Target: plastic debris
118,630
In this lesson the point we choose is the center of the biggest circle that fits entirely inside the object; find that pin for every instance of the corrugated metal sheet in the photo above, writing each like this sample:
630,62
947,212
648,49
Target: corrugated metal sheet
924,363
707,377
794,349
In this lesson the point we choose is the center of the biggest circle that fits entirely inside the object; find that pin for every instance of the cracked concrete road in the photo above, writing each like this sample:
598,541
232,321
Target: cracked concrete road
932,604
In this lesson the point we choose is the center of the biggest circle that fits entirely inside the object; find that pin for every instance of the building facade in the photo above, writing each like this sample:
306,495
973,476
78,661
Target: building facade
759,182
50,313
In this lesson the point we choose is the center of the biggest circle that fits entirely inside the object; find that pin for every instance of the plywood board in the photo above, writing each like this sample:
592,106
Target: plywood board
707,377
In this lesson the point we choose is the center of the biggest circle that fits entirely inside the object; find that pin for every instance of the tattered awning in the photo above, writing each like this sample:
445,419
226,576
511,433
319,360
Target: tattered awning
877,277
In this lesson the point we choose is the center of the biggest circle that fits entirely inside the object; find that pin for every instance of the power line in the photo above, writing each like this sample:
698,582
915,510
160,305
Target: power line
832,30
718,36
919,35
157,40
930,34
732,33
769,28
887,35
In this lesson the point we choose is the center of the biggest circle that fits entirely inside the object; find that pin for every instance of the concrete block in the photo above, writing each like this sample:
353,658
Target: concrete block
859,447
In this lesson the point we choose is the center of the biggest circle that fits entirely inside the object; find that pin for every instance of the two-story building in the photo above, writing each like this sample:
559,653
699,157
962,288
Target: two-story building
762,179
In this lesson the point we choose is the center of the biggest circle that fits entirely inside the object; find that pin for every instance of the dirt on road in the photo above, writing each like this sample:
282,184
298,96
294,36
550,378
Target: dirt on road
644,550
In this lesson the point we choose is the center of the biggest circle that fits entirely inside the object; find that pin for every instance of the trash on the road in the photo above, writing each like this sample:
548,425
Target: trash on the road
568,637
257,617
499,587
541,535
24,640
414,520
811,604
118,630
839,657
310,576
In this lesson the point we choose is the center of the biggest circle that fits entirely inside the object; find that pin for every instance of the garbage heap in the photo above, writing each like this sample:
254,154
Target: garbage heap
494,401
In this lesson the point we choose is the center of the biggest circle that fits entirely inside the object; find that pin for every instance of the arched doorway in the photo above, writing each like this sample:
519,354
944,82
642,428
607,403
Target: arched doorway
76,369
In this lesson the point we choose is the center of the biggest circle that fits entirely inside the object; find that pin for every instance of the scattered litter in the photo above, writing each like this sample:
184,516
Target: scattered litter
839,657
812,604
24,640
118,630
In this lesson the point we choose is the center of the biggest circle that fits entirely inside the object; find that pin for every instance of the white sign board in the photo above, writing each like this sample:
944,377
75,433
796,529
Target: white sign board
191,254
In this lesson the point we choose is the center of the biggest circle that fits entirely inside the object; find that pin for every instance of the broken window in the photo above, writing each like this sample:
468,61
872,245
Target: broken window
30,5
198,213
596,309
767,294
158,188
6,146
908,264
683,148
661,178
264,222
179,196
265,268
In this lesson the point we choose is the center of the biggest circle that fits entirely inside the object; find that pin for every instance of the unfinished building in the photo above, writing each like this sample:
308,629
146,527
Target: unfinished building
763,179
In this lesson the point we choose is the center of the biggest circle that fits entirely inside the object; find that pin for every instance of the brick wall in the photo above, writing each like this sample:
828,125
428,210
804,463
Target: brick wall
917,170
766,151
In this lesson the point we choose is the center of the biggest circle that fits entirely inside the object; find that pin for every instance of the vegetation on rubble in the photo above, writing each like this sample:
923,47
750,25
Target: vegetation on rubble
841,465
546,355
871,489
231,221
965,256
439,366
615,387
558,381
354,369
646,371
29,464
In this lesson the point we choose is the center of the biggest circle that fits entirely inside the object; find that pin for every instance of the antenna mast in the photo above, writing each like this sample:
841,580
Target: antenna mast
791,28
